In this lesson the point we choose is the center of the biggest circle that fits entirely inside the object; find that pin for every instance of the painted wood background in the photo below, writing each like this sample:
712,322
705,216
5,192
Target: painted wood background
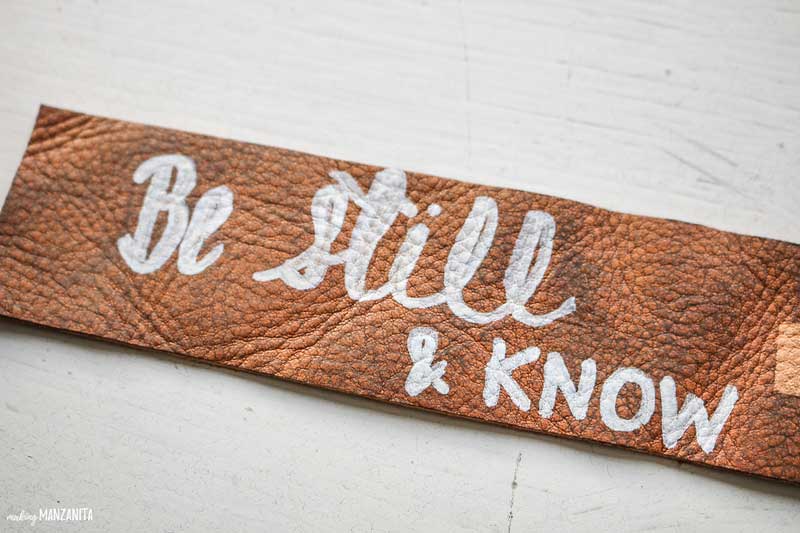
679,109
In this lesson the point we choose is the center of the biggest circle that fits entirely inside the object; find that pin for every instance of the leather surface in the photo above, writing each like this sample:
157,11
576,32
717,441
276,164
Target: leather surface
668,298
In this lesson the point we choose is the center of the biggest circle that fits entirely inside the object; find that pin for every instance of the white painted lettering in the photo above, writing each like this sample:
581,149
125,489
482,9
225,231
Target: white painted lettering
422,343
498,375
556,377
608,399
674,423
380,207
211,211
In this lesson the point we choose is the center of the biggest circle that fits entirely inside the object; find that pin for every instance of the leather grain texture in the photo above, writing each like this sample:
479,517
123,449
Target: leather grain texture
671,299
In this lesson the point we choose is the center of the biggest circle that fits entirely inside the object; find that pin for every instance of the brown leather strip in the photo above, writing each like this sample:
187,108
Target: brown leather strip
669,338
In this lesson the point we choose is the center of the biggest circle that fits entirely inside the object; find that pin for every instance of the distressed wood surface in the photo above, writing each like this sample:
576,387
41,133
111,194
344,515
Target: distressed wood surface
683,110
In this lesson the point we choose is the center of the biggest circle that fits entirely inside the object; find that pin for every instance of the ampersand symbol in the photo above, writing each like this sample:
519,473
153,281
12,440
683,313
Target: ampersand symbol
422,344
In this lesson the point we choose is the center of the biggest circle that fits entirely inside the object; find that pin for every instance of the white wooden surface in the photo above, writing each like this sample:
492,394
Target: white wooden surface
680,109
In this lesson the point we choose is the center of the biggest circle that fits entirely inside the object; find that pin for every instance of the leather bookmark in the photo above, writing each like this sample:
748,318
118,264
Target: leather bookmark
491,304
